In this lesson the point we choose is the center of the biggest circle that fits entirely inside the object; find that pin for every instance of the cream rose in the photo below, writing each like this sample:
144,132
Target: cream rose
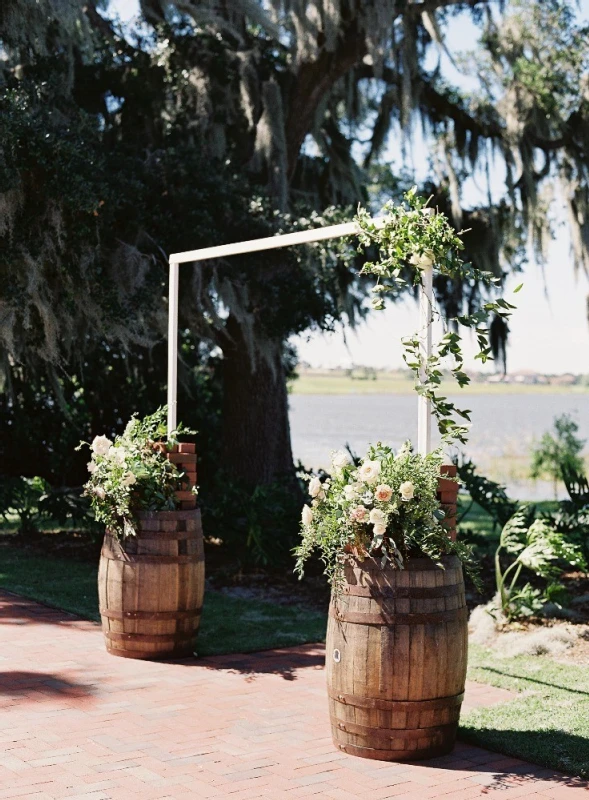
307,515
380,530
129,479
92,467
101,445
340,459
407,490
99,492
383,493
377,517
116,454
359,513
369,471
314,487
352,490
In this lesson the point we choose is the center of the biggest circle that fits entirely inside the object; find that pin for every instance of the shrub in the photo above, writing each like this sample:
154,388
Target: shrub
536,545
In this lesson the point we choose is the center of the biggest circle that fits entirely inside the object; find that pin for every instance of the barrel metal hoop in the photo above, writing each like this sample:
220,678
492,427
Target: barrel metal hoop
357,701
384,735
402,592
391,618
132,558
149,638
395,755
110,613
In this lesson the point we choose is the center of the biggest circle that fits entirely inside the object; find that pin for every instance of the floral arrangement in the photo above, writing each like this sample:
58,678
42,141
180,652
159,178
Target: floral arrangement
385,507
132,474
414,237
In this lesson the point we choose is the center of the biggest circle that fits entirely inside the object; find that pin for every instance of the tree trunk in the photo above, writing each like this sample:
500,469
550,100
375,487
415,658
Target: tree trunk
256,430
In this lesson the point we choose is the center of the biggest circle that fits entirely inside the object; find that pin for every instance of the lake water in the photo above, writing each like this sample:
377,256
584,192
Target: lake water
503,429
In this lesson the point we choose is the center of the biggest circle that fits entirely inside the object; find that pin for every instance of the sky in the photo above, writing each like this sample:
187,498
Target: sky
549,330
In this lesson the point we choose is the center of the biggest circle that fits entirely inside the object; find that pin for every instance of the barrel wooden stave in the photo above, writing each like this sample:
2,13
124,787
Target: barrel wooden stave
151,587
396,692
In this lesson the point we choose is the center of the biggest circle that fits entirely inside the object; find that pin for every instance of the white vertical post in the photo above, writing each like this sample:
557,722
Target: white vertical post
173,347
424,411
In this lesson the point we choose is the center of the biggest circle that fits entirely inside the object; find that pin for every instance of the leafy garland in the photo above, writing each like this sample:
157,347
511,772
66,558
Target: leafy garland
412,236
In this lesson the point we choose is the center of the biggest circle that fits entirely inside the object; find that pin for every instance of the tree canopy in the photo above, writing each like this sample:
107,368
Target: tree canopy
208,122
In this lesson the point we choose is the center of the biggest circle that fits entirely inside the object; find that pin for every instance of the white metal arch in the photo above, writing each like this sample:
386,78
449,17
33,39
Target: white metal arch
288,240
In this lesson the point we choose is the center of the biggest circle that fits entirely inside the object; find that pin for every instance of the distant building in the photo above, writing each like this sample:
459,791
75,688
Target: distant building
563,380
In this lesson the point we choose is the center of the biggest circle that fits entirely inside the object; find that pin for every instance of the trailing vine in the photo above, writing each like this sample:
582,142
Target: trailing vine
409,235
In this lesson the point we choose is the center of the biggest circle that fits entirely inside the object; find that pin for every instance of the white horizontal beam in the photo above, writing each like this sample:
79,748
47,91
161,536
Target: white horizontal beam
271,242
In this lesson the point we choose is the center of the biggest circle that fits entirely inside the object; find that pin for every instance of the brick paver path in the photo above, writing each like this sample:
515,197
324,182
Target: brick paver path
78,723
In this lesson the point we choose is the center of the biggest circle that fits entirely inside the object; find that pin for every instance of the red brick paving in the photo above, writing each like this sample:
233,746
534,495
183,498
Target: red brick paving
77,723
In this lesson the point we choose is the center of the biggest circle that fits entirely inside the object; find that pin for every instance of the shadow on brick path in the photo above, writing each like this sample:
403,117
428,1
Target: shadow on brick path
18,683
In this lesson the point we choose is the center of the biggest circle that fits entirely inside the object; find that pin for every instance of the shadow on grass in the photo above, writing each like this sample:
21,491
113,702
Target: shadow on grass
529,679
552,749
16,683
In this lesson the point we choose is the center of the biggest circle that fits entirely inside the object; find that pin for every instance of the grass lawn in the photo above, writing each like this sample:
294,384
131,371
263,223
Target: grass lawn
228,625
547,724
385,383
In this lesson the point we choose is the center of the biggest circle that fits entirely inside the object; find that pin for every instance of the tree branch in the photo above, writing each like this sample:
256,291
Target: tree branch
434,5
313,82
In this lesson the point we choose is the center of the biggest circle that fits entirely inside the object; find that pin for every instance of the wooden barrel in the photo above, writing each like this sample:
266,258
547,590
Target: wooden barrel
396,659
151,587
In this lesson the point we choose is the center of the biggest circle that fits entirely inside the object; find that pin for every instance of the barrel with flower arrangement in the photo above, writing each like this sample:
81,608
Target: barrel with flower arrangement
151,574
397,631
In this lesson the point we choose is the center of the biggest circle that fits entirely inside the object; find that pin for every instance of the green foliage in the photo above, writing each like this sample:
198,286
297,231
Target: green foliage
386,506
558,451
23,497
131,474
536,545
256,526
489,495
36,504
413,237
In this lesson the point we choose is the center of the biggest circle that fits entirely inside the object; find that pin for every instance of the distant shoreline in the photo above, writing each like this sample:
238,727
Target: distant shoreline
383,384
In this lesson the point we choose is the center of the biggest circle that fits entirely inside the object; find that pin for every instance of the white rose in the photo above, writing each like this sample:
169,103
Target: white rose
405,450
369,471
101,445
377,517
351,490
380,530
315,487
99,492
92,467
340,460
129,479
116,454
307,515
383,493
407,490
